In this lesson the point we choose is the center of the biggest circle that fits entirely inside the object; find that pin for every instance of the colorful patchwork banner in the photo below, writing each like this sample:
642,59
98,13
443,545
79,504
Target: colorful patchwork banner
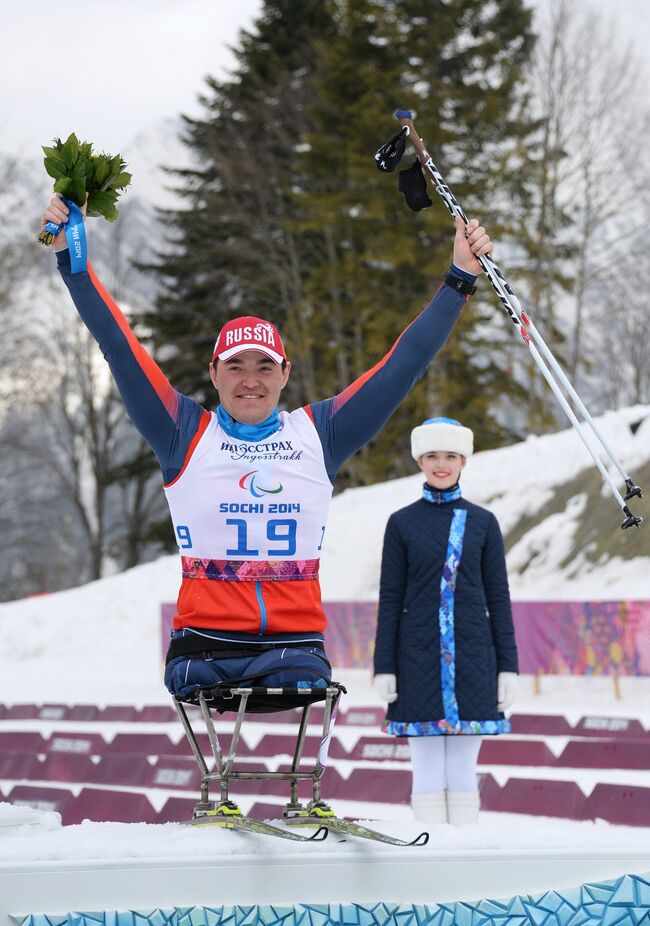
553,637
583,637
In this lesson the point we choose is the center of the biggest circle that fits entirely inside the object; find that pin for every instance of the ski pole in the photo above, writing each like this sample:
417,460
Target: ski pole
529,333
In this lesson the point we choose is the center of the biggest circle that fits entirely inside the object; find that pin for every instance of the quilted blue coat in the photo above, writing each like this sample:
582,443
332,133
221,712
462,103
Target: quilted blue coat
445,622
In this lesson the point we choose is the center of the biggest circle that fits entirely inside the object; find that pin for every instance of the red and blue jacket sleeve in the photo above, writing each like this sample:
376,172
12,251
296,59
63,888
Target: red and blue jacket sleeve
346,422
170,422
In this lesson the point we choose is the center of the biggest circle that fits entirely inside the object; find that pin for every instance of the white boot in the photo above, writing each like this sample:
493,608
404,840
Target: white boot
462,807
429,807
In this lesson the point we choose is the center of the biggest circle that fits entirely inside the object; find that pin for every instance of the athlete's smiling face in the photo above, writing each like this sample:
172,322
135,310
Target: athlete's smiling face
249,385
441,468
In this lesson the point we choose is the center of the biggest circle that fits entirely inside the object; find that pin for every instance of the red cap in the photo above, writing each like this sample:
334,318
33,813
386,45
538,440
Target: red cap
249,333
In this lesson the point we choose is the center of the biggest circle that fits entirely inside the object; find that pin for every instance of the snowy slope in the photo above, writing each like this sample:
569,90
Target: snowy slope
522,485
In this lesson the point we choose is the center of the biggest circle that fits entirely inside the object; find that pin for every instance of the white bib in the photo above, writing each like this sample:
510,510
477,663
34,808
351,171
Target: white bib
263,502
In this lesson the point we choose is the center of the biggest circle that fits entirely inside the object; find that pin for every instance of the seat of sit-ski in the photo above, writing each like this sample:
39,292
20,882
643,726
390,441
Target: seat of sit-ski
259,699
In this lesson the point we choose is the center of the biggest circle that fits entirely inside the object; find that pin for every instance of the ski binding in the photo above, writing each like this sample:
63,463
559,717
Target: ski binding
228,815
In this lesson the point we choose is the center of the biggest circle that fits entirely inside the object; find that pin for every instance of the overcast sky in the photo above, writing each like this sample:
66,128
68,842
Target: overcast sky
108,68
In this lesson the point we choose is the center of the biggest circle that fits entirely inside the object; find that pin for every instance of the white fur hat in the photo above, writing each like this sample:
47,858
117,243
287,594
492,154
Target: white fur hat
441,434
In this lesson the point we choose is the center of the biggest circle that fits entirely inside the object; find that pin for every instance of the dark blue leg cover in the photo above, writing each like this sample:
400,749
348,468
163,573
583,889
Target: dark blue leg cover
278,668
292,667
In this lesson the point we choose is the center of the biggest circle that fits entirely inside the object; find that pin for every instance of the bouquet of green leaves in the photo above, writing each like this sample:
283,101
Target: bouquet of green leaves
84,177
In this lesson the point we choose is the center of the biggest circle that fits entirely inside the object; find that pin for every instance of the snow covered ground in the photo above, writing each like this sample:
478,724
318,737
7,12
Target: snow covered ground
41,838
137,867
516,483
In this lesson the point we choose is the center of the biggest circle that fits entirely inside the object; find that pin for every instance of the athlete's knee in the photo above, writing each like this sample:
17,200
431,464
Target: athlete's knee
293,667
183,675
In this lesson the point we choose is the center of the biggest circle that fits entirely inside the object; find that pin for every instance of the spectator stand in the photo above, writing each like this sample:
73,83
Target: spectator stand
43,747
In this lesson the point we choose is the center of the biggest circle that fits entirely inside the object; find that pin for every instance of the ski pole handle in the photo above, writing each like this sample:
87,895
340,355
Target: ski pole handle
496,278
405,117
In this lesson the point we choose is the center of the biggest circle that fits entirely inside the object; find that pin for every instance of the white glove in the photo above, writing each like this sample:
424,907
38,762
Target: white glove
386,687
507,684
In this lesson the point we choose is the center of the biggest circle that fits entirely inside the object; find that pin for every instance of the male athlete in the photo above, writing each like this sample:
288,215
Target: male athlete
249,486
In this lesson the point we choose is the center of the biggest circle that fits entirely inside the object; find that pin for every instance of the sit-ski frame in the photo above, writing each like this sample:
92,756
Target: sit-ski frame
220,697
317,813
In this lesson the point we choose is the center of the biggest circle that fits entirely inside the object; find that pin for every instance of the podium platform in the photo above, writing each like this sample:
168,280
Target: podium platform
81,876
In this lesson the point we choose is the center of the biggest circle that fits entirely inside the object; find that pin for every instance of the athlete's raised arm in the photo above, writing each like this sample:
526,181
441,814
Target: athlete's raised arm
167,420
350,419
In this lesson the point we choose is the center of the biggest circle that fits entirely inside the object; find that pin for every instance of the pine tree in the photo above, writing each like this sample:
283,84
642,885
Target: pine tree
460,65
287,217
229,249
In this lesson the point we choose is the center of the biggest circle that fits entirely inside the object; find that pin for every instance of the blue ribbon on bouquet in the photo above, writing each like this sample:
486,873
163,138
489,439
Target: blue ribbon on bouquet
75,235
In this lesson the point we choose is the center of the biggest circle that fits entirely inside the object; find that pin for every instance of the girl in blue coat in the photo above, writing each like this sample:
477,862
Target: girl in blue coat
445,653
